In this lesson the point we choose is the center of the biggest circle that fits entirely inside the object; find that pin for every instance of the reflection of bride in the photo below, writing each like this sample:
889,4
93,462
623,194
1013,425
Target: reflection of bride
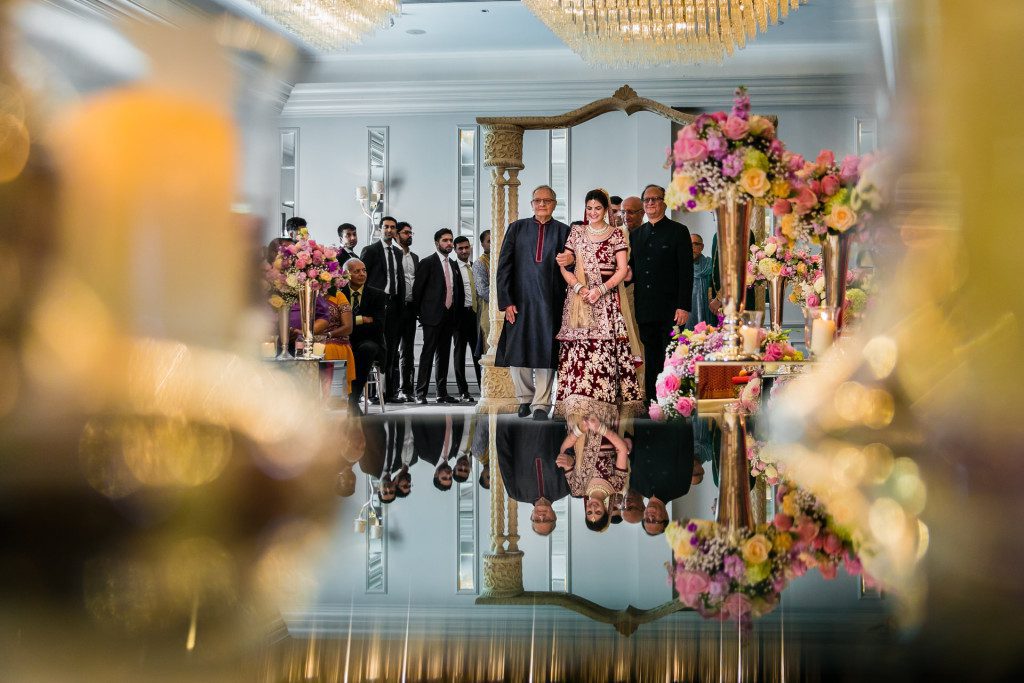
596,463
599,353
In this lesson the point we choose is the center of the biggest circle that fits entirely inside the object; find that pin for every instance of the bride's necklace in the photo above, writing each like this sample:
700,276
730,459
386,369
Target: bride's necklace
598,231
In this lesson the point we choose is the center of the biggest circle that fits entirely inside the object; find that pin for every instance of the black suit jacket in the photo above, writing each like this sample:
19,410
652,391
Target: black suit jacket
662,262
662,458
428,290
526,457
373,305
428,437
374,258
345,256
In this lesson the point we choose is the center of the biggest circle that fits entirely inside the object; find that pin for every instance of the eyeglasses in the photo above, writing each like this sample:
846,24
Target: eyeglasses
698,244
543,201
653,200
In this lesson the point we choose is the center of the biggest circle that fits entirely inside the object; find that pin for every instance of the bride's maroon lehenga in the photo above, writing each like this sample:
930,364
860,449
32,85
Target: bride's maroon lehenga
595,360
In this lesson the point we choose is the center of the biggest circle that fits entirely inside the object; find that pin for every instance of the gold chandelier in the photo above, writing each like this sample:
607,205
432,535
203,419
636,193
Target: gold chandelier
329,25
650,32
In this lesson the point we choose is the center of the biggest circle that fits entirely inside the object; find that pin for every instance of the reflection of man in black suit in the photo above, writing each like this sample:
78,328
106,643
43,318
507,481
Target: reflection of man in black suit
526,459
383,261
368,326
662,263
661,467
393,441
437,295
436,440
407,326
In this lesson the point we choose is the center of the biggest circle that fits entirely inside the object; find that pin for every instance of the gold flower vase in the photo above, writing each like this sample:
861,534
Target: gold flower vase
734,509
777,293
307,298
835,262
284,332
734,224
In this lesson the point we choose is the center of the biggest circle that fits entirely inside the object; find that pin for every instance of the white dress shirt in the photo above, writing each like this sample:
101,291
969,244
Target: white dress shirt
409,270
464,267
388,258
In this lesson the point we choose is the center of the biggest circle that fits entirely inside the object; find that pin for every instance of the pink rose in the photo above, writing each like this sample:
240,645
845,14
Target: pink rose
688,133
795,162
781,207
829,185
671,382
655,412
773,352
853,565
735,128
659,388
828,570
806,530
700,328
684,406
832,544
813,300
720,116
815,186
826,157
805,200
736,605
783,522
776,147
850,168
690,586
687,150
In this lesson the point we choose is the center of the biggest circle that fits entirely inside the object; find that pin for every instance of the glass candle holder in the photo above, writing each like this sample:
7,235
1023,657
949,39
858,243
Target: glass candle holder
820,325
750,332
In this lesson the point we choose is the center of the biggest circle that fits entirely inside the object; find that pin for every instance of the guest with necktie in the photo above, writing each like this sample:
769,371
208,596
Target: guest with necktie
383,261
367,338
438,295
466,324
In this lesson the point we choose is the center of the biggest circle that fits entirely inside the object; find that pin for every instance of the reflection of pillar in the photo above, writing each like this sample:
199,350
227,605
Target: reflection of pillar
503,152
503,569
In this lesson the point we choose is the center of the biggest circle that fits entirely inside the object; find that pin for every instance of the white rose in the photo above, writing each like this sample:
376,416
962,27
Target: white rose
819,285
770,248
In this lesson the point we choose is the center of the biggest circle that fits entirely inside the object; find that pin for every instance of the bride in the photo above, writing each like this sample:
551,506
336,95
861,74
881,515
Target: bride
599,355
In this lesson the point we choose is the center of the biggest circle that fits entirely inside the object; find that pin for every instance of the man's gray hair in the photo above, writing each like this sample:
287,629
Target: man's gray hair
543,187
351,260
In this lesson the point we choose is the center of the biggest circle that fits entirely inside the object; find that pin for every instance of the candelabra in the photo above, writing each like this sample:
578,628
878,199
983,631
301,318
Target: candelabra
370,514
371,201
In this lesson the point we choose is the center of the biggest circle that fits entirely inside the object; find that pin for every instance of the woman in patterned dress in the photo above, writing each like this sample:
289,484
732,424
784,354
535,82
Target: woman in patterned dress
596,463
335,337
597,360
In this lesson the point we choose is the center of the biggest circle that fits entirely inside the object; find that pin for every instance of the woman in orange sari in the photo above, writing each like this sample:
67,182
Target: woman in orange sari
335,337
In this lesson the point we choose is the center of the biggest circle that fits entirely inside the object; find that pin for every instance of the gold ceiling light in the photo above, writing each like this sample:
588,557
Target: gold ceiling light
329,25
651,32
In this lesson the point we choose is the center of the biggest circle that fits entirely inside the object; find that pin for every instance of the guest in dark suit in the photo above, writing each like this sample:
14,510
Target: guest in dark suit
407,326
436,440
293,225
526,460
662,263
349,237
467,326
661,467
367,336
437,295
383,261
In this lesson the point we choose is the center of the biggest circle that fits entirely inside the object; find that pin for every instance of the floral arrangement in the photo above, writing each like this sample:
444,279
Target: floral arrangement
778,258
730,575
869,197
858,290
763,462
775,346
295,264
820,199
676,385
817,540
738,150
750,395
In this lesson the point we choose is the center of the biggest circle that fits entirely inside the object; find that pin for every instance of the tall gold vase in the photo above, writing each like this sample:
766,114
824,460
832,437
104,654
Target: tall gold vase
307,299
734,509
284,332
734,224
835,261
777,293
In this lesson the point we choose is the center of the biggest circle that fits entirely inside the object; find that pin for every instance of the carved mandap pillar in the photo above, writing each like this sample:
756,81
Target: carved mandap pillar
503,569
503,153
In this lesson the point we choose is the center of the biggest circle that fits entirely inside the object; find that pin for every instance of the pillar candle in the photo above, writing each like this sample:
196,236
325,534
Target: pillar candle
751,339
822,333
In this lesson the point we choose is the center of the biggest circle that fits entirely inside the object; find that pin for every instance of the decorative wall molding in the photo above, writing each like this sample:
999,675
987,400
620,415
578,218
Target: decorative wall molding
541,97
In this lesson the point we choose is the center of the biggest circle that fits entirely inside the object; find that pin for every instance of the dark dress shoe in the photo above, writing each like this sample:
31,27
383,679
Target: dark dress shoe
524,410
421,400
395,399
447,399
466,398
540,415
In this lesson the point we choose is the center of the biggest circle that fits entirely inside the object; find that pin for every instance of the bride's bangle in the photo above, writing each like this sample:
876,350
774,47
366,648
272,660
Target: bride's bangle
602,430
576,430
603,288
577,287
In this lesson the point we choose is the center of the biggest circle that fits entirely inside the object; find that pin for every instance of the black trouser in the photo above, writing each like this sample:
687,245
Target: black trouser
407,332
392,325
467,330
655,338
365,351
437,349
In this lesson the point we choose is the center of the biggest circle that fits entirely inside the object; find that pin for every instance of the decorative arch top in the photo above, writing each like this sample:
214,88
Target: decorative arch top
624,99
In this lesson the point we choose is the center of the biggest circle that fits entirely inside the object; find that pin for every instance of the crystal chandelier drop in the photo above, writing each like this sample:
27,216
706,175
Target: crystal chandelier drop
652,32
330,25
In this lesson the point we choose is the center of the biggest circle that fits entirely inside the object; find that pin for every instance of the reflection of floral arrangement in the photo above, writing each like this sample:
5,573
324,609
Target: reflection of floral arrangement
763,462
736,150
776,258
820,200
869,197
295,264
817,540
750,395
676,386
731,575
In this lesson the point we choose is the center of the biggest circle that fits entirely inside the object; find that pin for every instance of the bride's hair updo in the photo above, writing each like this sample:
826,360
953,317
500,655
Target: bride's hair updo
599,196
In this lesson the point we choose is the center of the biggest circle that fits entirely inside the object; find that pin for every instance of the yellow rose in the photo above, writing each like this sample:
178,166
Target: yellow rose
789,504
325,276
780,188
755,550
787,224
783,542
679,539
841,218
683,183
754,182
276,301
801,268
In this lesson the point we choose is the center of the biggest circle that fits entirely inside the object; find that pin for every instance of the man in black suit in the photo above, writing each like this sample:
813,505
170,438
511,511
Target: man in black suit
526,459
662,264
661,467
367,326
437,295
467,326
349,237
407,326
383,261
